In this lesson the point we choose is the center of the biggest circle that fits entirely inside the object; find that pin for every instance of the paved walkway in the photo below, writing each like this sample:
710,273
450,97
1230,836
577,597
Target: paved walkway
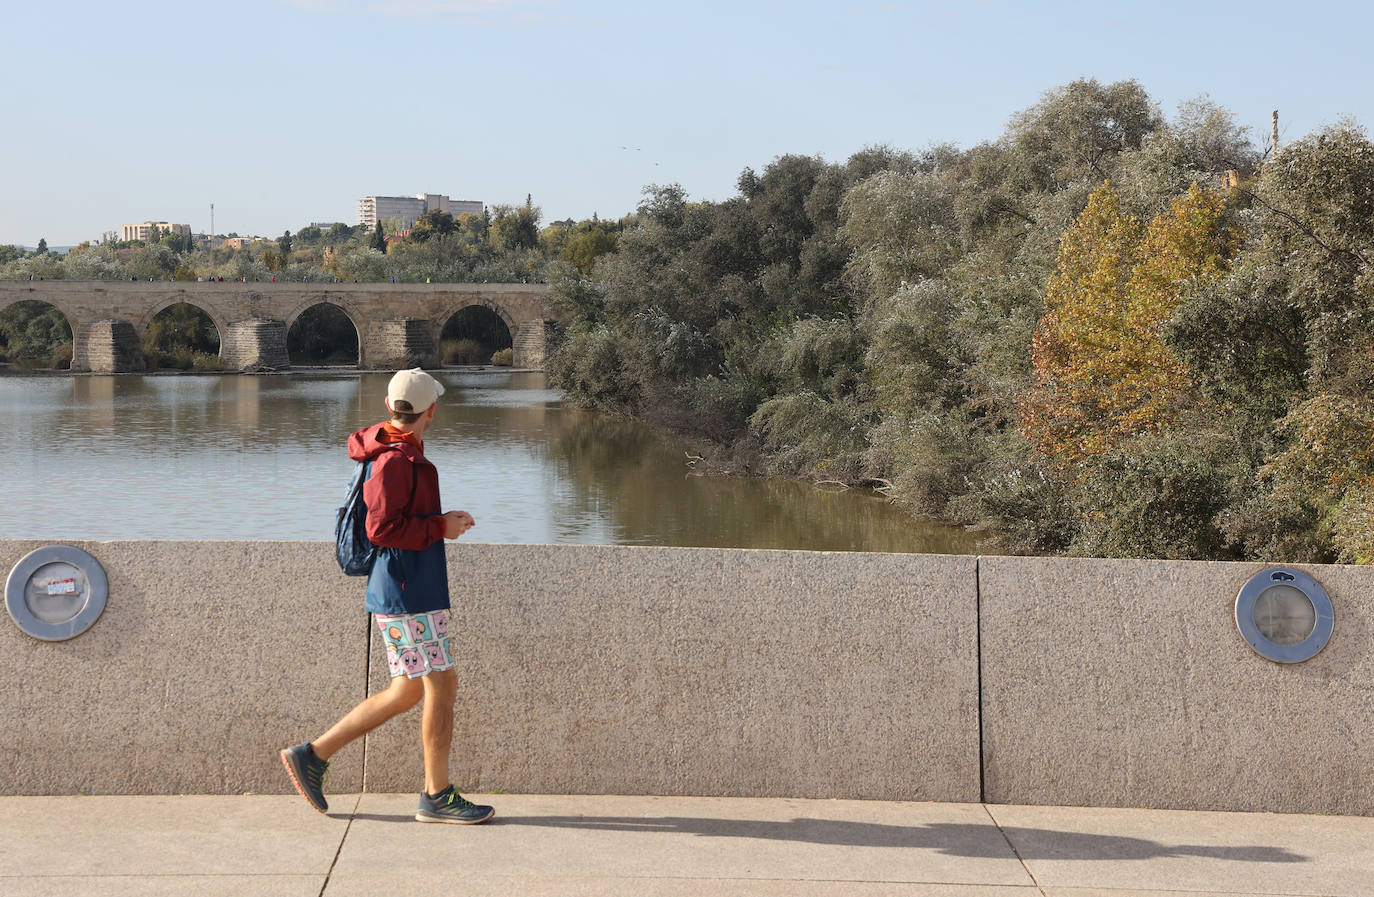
541,846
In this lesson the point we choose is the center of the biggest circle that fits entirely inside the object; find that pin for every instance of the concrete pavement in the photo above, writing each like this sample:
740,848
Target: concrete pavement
545,845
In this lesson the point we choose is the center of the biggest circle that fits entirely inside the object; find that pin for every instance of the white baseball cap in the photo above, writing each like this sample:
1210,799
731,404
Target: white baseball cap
415,388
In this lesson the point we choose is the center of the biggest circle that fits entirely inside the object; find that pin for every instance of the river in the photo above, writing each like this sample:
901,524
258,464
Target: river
261,457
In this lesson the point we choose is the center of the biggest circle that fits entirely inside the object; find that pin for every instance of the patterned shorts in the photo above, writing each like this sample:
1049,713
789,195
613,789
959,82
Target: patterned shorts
416,643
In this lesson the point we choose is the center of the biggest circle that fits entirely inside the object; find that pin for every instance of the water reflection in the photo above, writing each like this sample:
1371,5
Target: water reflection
245,457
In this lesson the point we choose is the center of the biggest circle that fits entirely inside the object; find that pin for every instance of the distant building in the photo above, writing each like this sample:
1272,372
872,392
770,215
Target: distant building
141,231
407,209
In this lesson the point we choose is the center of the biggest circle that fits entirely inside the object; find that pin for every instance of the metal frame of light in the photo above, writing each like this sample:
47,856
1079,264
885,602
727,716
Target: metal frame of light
1249,630
97,590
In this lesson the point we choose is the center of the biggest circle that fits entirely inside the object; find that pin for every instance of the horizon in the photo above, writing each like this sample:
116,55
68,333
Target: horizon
284,112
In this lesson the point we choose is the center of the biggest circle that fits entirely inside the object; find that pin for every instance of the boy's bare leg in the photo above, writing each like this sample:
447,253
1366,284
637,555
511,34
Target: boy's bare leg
401,696
436,726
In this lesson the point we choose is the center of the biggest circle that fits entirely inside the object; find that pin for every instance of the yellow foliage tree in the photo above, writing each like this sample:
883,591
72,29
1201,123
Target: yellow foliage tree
1102,370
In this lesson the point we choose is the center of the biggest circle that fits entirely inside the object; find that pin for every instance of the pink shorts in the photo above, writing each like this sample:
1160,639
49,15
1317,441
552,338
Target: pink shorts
416,643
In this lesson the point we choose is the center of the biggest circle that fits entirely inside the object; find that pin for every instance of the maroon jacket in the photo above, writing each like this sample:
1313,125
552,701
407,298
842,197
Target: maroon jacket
395,518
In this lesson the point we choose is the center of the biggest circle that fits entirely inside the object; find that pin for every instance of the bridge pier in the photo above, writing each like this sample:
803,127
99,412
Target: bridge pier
399,343
108,347
530,343
254,344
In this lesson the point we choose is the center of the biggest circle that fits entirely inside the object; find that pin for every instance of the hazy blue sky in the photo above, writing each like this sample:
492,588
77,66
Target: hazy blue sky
283,112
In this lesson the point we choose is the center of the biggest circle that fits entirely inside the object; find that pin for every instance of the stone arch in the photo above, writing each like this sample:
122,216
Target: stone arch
164,303
459,302
333,302
326,298
493,342
8,298
48,358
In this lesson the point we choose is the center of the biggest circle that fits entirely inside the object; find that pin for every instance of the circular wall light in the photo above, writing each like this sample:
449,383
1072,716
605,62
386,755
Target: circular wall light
1285,615
56,592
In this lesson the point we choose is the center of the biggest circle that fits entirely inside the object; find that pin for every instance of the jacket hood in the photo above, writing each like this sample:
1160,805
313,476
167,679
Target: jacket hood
368,443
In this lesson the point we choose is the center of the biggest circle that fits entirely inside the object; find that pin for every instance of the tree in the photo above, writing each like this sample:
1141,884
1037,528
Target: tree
154,235
42,245
434,223
583,249
515,228
284,242
378,241
1102,368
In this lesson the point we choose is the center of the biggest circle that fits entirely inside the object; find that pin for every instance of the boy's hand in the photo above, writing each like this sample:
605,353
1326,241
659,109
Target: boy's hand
456,523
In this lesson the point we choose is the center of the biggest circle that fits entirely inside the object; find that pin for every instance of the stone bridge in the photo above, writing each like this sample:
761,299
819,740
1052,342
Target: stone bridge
398,324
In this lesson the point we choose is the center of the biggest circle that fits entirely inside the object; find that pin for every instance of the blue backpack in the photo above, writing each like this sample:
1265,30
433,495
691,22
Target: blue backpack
355,551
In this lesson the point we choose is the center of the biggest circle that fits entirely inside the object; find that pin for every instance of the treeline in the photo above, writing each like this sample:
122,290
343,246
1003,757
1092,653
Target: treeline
504,244
1108,332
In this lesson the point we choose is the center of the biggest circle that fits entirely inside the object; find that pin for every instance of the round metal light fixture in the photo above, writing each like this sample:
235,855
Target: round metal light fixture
1285,615
56,592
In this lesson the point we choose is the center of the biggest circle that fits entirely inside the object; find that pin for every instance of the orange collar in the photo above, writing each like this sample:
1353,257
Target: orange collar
391,434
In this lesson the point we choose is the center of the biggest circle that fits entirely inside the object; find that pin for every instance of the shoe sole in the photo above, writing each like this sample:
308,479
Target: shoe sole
291,771
420,817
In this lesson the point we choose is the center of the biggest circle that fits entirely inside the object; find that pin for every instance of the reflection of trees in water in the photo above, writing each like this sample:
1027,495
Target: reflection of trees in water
622,470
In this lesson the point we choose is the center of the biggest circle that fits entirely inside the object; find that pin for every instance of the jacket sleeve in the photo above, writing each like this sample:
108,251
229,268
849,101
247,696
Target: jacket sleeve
387,493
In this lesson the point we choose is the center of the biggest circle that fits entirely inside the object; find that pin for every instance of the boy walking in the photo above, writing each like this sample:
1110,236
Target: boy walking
407,592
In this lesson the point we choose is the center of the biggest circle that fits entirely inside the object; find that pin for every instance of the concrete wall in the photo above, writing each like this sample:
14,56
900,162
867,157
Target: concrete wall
1125,683
712,672
588,669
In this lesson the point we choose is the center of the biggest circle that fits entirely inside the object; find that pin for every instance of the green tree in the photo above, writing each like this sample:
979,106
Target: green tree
514,227
434,223
378,241
42,245
284,242
585,248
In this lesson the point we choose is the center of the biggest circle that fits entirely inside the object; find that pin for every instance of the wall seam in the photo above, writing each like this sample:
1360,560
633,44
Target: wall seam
978,641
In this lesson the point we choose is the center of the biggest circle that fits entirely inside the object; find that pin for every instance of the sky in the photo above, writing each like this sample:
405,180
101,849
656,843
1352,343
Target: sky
285,112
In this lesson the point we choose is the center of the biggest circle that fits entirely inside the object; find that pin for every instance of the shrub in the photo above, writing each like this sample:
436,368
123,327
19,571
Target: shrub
462,351
503,357
61,358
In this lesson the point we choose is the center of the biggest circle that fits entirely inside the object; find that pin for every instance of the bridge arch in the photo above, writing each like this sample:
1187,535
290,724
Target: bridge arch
164,303
293,337
40,344
457,303
473,333
68,310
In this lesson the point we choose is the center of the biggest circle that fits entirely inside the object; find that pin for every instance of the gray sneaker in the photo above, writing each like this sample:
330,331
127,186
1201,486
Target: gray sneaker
307,773
449,806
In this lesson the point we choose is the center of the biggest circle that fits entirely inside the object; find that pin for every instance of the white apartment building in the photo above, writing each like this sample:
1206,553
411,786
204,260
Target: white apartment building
408,209
141,231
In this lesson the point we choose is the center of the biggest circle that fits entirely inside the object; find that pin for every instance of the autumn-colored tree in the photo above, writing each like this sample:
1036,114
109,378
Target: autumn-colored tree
1102,368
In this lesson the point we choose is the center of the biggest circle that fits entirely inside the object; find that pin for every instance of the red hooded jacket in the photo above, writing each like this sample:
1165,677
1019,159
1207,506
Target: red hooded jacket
395,518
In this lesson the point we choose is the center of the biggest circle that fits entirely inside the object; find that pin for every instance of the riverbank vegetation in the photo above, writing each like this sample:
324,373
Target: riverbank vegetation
1109,332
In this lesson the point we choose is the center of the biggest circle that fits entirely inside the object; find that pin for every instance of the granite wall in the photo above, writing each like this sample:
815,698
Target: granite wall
596,669
583,669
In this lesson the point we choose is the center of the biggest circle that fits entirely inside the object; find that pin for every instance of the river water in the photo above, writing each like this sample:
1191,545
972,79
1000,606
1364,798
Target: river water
261,457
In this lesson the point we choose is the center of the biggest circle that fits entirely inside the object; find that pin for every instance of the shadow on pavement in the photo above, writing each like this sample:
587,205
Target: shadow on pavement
951,839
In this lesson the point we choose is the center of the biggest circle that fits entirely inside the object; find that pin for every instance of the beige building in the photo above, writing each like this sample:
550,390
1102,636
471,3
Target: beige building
404,211
140,231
